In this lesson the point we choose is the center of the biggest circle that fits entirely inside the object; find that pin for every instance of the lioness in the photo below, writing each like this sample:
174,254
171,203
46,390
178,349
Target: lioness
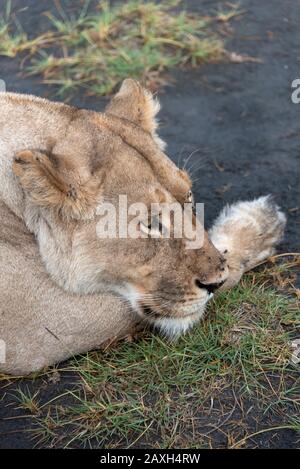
58,165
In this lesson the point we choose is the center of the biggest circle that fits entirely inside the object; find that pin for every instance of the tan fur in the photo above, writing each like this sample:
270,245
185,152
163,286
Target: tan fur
143,114
58,164
46,187
40,323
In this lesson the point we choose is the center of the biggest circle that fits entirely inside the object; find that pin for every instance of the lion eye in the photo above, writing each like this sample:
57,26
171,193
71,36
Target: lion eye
154,228
190,200
158,227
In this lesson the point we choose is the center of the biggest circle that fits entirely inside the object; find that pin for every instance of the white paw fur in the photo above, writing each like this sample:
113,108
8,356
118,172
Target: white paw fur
246,233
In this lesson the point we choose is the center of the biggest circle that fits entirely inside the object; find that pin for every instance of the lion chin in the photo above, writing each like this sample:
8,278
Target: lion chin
173,328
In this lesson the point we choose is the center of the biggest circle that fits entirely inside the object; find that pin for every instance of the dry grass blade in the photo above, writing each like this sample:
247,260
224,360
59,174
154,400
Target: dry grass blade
151,393
96,51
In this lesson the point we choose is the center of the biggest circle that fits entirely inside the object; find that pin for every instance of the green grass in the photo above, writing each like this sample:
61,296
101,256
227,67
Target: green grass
96,51
27,400
164,395
13,43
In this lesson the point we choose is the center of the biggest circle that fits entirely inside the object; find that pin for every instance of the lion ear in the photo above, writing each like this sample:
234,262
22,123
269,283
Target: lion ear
135,103
49,187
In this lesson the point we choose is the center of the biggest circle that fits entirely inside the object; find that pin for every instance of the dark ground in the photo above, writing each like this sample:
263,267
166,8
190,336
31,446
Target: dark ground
239,118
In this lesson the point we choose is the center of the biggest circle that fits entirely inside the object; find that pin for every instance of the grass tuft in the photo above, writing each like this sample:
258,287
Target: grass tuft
27,400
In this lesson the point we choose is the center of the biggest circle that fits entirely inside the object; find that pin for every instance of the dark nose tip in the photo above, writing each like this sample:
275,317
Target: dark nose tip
210,287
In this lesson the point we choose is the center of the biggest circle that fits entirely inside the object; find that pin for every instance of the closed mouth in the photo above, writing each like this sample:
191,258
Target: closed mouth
211,287
192,310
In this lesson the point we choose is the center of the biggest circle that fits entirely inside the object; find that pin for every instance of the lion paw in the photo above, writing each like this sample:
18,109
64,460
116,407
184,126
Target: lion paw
246,233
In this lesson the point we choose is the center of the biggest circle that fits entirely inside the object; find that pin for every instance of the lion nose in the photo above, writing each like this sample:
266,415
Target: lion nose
210,287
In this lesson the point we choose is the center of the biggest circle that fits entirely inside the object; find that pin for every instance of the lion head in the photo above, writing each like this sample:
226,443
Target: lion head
86,161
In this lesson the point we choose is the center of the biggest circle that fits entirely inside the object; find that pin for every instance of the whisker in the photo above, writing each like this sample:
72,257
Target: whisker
180,156
196,167
189,157
195,180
